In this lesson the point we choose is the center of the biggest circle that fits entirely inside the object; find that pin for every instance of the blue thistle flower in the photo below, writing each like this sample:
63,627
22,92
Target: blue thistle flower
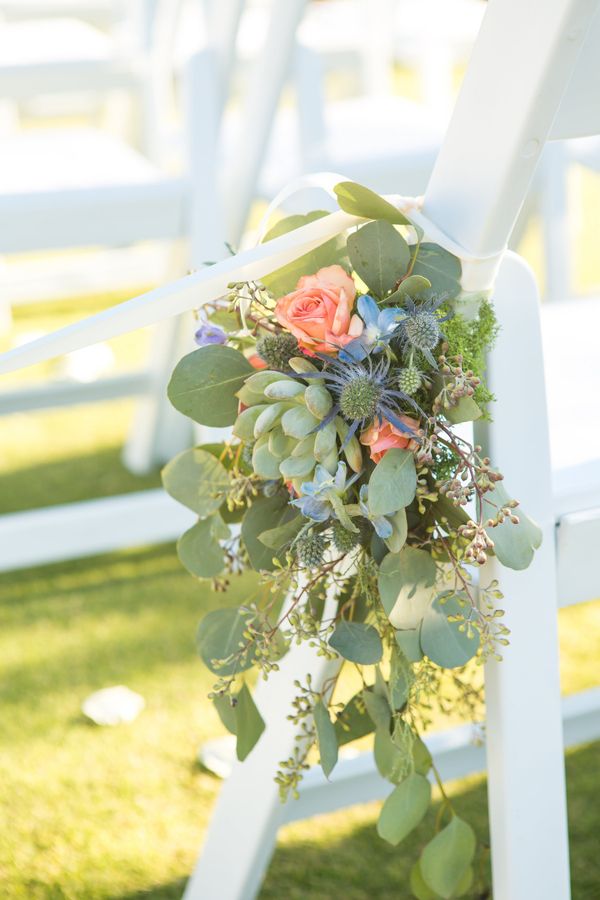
364,392
420,328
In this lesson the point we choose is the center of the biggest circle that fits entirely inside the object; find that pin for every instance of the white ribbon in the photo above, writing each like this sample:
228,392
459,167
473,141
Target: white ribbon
196,289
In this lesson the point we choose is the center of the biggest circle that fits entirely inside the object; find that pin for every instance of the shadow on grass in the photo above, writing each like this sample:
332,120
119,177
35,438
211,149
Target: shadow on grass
98,474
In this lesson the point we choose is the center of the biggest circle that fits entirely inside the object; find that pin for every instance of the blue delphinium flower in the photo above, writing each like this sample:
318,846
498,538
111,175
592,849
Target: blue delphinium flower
383,527
209,334
321,499
380,325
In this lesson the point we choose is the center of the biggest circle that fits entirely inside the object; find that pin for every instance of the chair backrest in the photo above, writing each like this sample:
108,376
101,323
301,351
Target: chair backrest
525,57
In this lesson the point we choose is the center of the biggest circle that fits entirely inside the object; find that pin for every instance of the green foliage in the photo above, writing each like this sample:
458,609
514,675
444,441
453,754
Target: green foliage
332,252
204,383
357,642
471,338
393,483
197,480
352,722
446,859
440,267
361,201
199,549
447,642
514,543
406,582
326,738
390,759
221,643
249,724
265,514
378,708
225,707
404,808
379,255
409,643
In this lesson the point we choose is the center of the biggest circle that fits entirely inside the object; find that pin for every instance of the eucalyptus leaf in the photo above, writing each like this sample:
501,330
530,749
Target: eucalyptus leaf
249,724
226,712
353,722
379,255
409,642
399,680
199,549
441,640
406,586
393,483
411,286
285,279
204,384
391,762
357,642
359,200
440,267
197,479
466,410
514,545
396,541
404,808
378,708
418,886
326,738
265,514
276,538
220,635
447,857
421,756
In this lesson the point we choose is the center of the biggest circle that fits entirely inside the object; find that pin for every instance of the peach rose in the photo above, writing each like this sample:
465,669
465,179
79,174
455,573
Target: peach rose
381,438
318,312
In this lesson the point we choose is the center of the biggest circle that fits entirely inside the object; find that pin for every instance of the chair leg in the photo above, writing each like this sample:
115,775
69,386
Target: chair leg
243,829
526,782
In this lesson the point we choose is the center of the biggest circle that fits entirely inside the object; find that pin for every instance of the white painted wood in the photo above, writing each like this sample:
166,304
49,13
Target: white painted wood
96,526
579,112
249,811
54,393
503,116
526,784
458,752
578,539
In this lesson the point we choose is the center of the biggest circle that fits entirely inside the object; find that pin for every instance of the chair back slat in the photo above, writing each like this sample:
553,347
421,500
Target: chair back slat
579,112
523,59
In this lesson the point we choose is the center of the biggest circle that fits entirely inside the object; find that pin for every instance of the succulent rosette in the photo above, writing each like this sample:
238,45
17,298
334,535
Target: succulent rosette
342,378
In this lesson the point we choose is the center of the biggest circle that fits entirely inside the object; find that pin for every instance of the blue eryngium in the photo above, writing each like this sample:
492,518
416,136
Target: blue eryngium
321,498
380,325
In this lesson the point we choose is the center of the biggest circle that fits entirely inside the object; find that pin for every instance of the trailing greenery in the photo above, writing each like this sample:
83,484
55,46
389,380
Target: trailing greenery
471,339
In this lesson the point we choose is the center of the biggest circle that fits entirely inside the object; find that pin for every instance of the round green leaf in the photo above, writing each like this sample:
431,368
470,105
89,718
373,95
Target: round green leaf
379,255
404,808
441,640
514,545
408,641
393,483
197,479
359,200
406,584
441,267
219,636
357,642
199,549
265,514
204,384
389,758
446,859
418,886
326,738
249,724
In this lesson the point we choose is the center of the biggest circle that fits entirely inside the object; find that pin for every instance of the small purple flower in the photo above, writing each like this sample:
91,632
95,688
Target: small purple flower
209,334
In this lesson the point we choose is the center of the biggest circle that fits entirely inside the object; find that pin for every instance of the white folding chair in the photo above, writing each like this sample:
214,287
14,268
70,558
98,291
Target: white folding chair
487,160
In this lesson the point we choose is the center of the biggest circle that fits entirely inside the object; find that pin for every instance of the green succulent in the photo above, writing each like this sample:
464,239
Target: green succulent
282,422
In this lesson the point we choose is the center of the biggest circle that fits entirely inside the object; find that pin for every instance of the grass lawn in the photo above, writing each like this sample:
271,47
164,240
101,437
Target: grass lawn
90,812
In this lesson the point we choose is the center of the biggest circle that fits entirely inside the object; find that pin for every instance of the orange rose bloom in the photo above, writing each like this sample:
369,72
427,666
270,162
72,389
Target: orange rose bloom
318,312
381,438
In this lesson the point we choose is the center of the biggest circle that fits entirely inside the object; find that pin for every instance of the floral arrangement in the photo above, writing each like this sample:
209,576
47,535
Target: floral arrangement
344,376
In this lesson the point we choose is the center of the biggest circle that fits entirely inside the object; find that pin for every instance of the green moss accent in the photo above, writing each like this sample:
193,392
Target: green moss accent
472,338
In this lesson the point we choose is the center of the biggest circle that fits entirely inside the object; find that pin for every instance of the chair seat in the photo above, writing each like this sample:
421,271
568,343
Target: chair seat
569,330
75,187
